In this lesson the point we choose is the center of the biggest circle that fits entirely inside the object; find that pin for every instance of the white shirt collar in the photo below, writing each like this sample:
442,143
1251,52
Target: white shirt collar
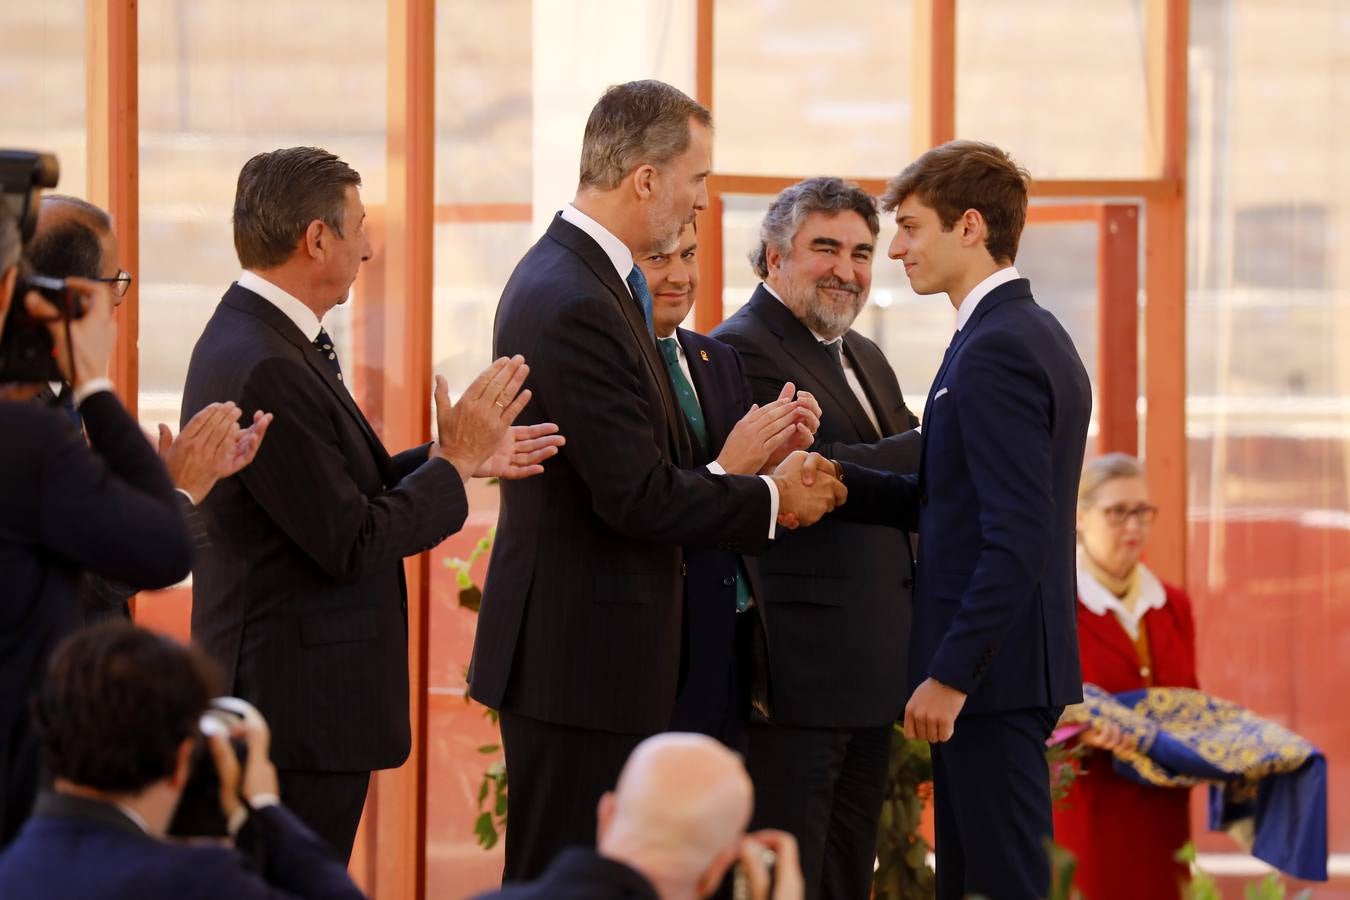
303,317
617,251
822,339
980,291
1099,601
133,816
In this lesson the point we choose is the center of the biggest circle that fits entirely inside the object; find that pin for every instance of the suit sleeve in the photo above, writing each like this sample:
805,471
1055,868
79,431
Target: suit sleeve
302,480
897,453
586,358
1004,411
411,459
292,861
109,505
880,498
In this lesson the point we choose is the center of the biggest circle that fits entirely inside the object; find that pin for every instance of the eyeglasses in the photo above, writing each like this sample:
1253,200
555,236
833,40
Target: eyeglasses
121,282
1118,514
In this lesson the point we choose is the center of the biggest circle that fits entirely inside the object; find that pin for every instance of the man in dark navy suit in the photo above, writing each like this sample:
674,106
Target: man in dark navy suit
994,652
118,716
723,631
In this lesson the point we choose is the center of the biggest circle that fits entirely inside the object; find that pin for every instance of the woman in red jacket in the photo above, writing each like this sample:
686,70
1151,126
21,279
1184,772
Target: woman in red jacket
1133,632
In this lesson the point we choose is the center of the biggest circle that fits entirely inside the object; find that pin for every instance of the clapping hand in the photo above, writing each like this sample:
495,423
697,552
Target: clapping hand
475,434
211,446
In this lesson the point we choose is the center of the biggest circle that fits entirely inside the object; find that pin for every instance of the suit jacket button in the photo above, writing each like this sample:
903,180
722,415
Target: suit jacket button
729,580
684,568
923,499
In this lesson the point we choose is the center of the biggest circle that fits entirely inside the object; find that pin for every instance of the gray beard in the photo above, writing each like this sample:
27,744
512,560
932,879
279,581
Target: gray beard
812,313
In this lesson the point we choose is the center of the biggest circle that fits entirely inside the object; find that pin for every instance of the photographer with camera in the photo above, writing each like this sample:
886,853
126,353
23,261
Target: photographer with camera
672,829
105,506
119,716
76,238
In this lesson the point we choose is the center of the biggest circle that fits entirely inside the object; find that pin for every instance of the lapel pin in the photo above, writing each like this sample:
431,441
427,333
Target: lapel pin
703,355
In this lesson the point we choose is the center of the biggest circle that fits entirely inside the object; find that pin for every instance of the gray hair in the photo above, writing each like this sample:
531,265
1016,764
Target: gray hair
1108,467
791,207
634,124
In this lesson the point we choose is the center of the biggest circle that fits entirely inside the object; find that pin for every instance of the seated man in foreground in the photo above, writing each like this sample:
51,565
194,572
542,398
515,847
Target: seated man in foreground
118,720
672,828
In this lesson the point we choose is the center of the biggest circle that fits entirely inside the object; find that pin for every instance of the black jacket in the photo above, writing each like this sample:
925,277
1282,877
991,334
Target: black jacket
105,506
300,595
581,616
838,593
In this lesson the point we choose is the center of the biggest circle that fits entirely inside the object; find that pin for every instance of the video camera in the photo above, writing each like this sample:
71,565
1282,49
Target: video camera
26,346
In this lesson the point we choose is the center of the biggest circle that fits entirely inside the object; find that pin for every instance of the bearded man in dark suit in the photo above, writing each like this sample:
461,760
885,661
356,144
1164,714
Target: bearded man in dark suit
837,596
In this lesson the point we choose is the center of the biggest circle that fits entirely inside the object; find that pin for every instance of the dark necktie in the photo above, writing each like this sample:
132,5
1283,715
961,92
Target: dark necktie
693,413
324,344
638,283
835,349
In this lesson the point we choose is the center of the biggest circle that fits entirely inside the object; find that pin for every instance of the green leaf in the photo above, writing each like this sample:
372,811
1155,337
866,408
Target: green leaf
485,831
500,809
489,748
482,791
471,598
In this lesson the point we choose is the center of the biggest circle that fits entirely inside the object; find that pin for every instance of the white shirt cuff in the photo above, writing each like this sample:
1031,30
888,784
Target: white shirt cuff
187,495
262,801
91,387
773,505
715,467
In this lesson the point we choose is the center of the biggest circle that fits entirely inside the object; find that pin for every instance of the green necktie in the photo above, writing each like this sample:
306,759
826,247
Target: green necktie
693,413
670,349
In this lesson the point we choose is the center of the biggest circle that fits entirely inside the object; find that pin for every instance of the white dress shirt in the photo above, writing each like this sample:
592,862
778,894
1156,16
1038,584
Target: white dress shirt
849,374
295,310
980,291
622,259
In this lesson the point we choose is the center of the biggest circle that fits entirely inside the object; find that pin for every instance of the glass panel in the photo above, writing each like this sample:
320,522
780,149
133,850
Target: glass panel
802,87
914,331
219,82
1268,322
484,130
42,77
1059,84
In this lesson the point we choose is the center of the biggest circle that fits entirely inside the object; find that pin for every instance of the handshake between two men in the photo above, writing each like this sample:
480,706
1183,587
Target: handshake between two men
773,440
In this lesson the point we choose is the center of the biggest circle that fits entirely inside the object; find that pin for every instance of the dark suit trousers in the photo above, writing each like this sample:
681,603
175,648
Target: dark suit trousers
557,775
824,786
991,793
330,803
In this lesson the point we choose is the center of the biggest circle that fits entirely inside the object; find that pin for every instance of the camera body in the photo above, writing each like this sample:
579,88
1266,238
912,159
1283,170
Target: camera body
198,813
27,352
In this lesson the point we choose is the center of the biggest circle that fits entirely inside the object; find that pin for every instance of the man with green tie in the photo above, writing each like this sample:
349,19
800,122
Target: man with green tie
722,624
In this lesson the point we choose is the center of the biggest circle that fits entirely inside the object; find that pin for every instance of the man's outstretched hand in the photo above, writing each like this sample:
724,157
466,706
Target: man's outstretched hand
521,451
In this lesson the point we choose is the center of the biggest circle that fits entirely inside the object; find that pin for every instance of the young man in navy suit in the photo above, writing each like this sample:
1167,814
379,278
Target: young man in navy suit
723,631
994,651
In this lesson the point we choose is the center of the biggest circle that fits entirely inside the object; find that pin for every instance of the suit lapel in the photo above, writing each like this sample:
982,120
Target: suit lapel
1018,287
580,243
246,301
802,346
705,371
870,382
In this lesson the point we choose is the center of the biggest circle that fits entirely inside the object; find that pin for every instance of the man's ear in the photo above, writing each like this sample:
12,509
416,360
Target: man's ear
316,236
183,764
604,814
974,230
711,879
773,258
644,179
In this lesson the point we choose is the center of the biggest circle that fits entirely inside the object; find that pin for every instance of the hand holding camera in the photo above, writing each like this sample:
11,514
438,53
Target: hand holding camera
768,867
231,719
79,316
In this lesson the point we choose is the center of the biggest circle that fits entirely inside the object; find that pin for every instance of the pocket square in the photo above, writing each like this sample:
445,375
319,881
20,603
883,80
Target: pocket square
939,394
